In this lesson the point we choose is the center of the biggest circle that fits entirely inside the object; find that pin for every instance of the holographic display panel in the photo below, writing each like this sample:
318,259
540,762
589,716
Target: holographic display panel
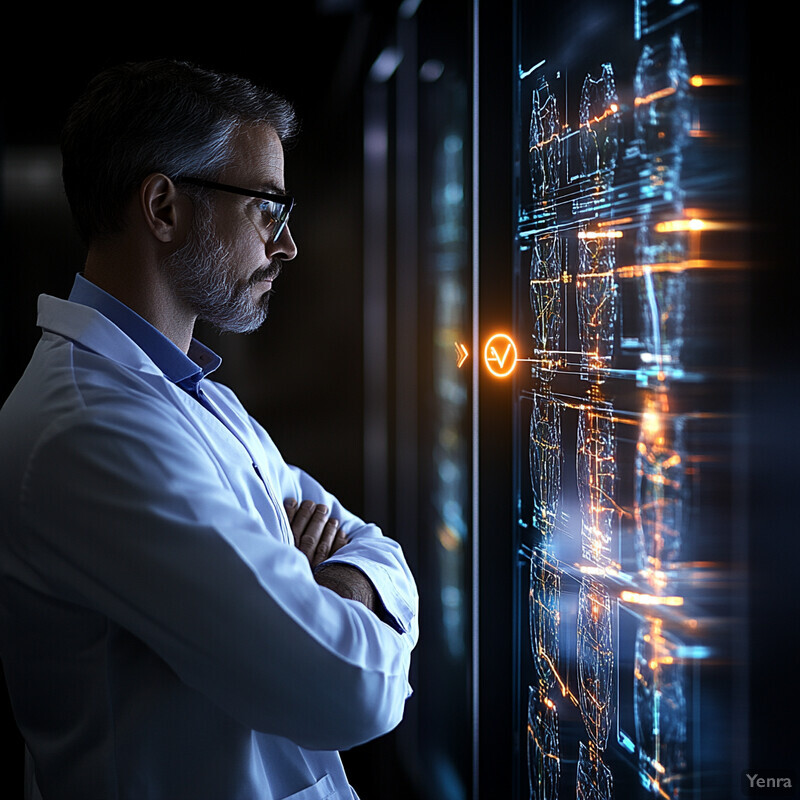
624,421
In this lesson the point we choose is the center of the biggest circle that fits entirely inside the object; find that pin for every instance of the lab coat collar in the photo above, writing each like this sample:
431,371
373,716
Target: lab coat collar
92,331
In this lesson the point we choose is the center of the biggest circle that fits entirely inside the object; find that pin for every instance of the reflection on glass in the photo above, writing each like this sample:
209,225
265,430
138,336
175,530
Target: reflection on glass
659,709
662,295
450,477
659,489
661,110
662,118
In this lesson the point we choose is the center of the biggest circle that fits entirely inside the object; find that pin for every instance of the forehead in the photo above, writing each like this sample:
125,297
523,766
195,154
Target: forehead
257,159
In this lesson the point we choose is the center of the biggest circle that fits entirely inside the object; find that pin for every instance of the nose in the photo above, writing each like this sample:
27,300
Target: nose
283,247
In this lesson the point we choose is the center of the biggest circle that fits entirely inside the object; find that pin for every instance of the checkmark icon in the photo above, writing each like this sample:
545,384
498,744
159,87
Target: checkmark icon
501,360
500,355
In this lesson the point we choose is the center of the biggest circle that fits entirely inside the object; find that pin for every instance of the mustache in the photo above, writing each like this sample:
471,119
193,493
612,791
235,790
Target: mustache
268,273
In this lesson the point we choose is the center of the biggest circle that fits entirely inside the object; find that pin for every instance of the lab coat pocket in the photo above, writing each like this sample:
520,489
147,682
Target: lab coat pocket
323,789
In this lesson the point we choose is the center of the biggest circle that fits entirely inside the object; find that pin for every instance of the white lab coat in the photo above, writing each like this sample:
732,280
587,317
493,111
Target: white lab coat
160,634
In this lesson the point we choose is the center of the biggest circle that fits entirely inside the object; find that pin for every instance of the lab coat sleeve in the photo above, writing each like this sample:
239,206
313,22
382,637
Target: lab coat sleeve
380,558
127,513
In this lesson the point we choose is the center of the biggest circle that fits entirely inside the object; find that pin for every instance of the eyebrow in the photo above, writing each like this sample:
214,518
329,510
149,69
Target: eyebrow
273,188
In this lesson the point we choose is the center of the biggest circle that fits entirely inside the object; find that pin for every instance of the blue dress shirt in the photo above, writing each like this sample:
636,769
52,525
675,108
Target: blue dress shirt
160,634
184,370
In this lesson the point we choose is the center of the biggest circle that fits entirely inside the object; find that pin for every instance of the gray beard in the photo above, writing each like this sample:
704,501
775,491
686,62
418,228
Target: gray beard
203,276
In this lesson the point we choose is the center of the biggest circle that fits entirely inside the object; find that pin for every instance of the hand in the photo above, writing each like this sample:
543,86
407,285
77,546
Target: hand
351,583
319,537
316,535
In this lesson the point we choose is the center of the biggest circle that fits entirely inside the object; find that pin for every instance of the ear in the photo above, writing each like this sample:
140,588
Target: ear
166,212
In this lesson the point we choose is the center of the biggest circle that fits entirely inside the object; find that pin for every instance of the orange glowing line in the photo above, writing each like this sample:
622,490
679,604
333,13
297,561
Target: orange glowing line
637,270
650,599
714,225
681,225
617,420
565,692
666,92
584,277
609,223
612,109
657,787
599,234
711,80
553,138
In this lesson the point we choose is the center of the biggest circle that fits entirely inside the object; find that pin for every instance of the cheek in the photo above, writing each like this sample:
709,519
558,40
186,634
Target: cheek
247,248
252,227
255,253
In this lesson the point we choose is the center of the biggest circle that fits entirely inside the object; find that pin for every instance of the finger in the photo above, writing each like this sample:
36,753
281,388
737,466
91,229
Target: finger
340,540
326,538
310,536
290,506
301,518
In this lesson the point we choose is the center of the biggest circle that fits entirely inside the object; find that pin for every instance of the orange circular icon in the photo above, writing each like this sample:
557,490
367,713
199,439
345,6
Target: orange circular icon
500,355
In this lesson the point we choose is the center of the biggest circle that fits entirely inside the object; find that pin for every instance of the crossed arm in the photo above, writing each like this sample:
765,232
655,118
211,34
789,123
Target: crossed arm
318,537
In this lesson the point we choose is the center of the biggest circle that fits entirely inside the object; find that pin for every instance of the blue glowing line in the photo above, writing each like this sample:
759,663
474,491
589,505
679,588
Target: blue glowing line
626,742
528,72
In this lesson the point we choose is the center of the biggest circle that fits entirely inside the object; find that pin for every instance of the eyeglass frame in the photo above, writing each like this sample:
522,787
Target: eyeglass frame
286,200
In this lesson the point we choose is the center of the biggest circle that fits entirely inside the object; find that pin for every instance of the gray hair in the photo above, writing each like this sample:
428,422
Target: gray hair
160,116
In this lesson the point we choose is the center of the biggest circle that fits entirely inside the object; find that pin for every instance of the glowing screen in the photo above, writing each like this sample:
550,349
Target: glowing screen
618,210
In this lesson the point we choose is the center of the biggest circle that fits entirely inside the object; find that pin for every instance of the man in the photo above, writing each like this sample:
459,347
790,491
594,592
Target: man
182,615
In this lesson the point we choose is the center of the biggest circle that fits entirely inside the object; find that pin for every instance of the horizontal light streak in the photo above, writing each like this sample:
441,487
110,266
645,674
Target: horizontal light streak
680,225
650,599
612,234
637,270
658,95
712,80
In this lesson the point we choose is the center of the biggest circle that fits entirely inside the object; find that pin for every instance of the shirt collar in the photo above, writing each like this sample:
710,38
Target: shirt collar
185,370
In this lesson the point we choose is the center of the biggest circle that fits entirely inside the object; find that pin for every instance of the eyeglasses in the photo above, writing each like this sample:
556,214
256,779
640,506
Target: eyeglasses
275,207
